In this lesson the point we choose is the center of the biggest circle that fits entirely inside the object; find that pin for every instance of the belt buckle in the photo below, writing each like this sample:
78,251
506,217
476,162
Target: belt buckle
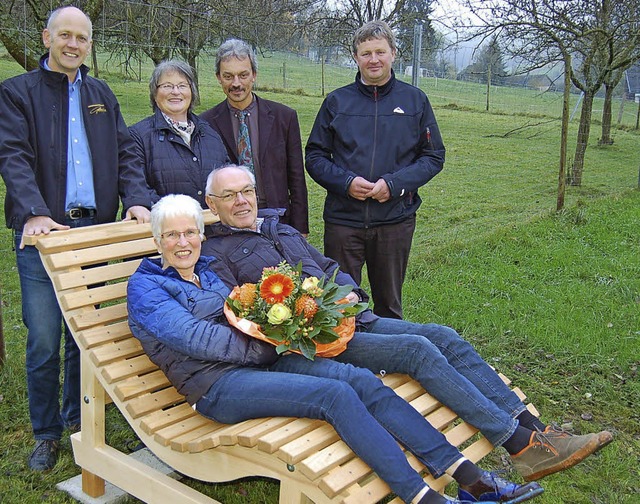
75,213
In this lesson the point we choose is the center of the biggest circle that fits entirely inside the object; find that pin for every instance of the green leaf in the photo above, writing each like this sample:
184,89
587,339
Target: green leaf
280,349
308,348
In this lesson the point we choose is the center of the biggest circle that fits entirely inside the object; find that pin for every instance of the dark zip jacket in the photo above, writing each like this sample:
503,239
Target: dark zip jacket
244,253
34,108
374,132
173,167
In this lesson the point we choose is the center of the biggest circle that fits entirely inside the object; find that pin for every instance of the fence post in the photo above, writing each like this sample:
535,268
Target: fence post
2,353
417,48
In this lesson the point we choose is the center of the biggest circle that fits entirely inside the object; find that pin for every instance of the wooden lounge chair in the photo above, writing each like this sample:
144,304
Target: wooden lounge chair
89,268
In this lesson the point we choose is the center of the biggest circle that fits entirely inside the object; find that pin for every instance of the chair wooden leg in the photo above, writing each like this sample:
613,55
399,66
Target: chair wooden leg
92,485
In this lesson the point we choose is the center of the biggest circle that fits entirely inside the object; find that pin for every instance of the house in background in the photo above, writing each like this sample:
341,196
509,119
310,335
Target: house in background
632,79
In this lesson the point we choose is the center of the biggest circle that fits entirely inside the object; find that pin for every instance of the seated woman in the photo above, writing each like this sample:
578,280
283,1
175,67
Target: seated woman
176,311
177,148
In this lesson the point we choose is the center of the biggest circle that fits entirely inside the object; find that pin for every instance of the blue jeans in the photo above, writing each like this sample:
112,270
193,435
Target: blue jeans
369,416
446,365
43,319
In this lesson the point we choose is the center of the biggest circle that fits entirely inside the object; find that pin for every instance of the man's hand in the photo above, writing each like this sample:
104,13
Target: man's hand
40,224
140,213
352,297
380,191
360,188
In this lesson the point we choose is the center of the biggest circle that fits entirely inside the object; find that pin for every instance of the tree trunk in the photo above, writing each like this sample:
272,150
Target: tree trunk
14,46
583,138
605,138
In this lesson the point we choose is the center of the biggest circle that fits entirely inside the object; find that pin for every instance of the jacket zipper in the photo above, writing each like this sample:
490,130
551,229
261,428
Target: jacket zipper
373,153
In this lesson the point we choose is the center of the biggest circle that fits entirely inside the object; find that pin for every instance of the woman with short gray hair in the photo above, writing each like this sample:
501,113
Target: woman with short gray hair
177,148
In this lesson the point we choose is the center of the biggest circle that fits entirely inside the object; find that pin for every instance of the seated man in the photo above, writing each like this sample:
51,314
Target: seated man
175,308
446,365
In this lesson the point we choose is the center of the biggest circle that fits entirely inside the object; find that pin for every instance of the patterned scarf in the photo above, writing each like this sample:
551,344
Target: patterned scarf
182,128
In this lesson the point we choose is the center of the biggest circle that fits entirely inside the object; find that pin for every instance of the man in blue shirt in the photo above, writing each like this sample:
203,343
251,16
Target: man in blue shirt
67,160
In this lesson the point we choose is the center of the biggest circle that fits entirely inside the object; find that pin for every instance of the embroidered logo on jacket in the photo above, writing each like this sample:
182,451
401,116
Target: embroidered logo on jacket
398,110
97,108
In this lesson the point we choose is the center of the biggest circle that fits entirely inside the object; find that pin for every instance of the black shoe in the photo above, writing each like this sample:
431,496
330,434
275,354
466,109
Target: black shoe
495,489
45,455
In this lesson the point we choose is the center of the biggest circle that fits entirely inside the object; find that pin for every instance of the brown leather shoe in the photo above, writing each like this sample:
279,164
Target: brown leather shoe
556,450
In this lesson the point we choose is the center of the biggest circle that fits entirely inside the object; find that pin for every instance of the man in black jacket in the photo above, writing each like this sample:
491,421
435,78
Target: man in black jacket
66,160
445,364
373,144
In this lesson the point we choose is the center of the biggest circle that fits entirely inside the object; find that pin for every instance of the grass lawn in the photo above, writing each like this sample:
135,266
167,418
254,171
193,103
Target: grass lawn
550,299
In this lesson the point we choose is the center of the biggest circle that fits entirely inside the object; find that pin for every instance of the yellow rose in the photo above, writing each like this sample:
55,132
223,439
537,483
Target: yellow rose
310,283
278,314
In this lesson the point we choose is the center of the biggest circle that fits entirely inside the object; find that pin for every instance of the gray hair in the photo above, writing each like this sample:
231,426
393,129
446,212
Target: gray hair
56,12
175,205
236,48
373,30
170,66
214,173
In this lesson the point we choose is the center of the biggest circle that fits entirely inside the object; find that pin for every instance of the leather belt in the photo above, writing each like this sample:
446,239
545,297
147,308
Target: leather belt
80,213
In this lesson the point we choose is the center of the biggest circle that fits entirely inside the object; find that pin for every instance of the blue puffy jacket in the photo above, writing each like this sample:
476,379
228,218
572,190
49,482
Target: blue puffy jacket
183,329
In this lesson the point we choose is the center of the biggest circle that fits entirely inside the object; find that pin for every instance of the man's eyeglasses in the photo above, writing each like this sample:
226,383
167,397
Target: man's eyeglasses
173,236
229,196
170,87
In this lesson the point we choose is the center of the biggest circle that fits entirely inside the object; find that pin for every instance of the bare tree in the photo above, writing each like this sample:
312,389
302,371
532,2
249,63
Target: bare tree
623,51
22,24
576,32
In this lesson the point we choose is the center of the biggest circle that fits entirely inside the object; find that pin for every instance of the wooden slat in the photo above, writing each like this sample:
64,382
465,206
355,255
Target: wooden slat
272,441
181,430
101,316
251,437
115,351
332,456
99,234
344,476
231,433
139,385
198,440
442,417
102,254
96,275
159,419
116,371
161,399
308,444
103,334
95,296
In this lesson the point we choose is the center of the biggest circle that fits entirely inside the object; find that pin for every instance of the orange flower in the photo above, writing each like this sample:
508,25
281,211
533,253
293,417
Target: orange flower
246,294
276,288
305,304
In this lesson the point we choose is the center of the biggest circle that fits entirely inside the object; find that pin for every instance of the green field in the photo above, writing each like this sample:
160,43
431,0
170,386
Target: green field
551,299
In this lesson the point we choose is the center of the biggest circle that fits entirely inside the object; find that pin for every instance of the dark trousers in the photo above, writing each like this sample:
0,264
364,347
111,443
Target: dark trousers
385,251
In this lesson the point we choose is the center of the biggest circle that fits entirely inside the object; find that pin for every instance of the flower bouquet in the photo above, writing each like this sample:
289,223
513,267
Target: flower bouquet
310,316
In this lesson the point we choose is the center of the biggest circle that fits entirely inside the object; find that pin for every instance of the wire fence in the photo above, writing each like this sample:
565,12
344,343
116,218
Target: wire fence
295,65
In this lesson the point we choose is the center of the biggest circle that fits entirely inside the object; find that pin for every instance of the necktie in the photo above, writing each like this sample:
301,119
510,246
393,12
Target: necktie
244,142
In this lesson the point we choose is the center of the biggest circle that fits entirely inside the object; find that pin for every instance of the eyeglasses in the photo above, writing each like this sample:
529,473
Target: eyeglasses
173,236
170,87
247,192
